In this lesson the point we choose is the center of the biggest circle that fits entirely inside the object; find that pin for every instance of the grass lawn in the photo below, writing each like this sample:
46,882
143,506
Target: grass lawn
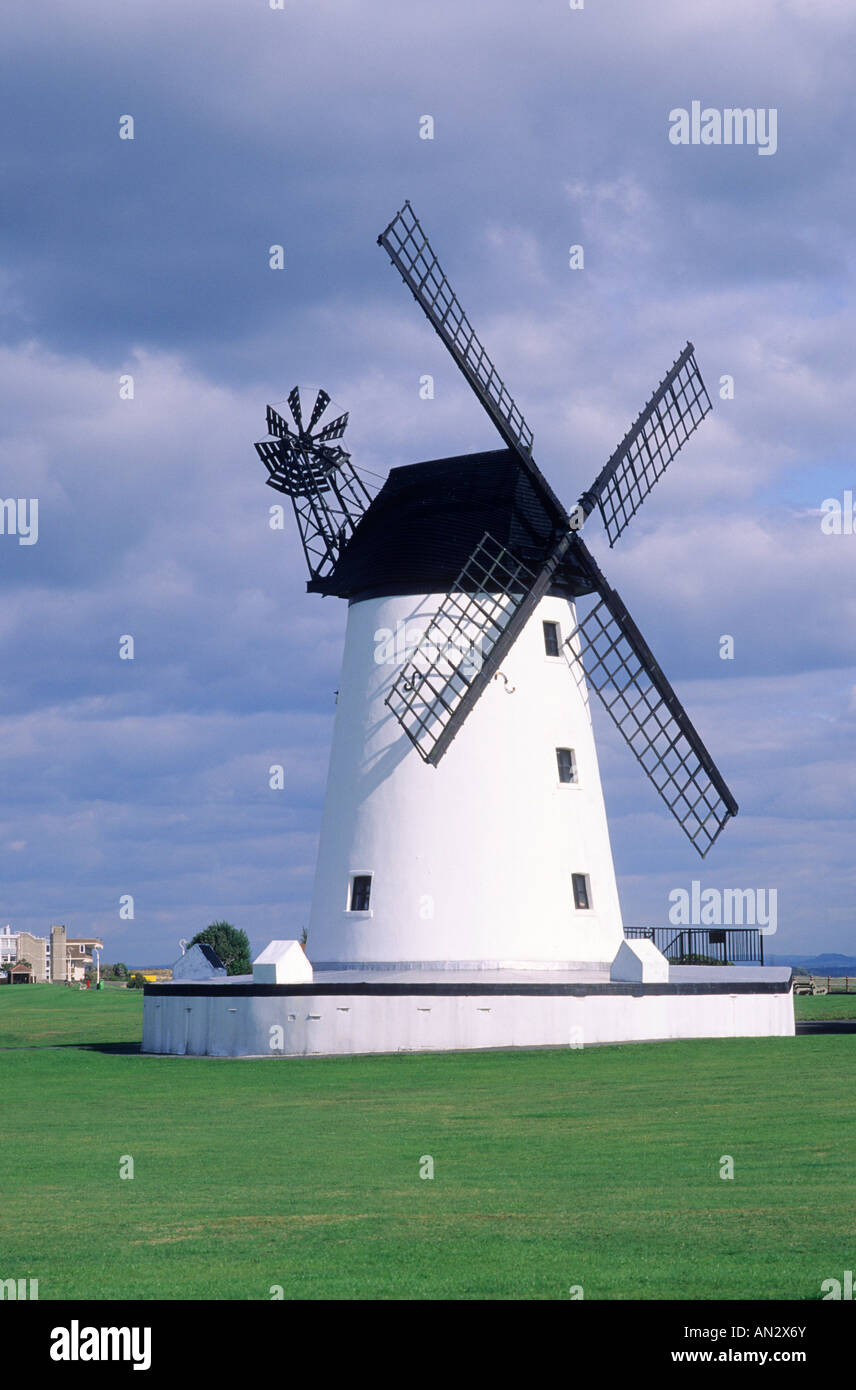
825,1006
597,1167
39,1015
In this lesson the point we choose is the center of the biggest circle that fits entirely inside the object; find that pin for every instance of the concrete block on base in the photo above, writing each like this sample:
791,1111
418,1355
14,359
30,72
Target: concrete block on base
639,962
200,962
282,963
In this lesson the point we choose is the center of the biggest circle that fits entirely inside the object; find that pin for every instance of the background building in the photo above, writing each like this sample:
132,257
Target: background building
55,958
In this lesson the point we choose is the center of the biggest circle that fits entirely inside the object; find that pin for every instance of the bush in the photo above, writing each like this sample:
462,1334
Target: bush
231,944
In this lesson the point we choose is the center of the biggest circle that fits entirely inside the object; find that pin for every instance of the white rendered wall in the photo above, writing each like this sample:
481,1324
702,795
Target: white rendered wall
471,861
342,1024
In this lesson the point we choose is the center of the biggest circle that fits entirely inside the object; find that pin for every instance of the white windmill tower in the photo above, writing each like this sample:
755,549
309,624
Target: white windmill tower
451,841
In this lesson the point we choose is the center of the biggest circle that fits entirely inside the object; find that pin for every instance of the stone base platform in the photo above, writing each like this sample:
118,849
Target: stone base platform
355,1011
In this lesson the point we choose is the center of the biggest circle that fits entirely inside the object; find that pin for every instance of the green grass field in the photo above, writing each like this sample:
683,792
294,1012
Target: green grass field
596,1167
825,1006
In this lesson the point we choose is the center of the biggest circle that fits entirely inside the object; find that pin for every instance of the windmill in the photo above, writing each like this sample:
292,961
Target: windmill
465,812
465,894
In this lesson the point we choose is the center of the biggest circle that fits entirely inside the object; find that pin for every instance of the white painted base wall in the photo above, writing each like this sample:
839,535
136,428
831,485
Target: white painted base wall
347,1024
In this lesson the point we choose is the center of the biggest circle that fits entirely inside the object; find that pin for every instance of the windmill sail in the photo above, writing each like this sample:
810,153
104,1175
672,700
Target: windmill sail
322,400
410,252
463,647
334,430
276,425
674,411
620,667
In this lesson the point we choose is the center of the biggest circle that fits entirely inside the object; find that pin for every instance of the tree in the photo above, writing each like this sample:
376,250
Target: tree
231,944
119,971
136,982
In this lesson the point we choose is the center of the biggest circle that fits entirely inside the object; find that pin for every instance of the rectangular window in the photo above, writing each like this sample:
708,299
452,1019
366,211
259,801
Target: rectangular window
551,638
566,759
582,896
361,892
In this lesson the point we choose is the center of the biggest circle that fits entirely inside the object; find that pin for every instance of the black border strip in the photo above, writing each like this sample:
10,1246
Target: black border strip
400,989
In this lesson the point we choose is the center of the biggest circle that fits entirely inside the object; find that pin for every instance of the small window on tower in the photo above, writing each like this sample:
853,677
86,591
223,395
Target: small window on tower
361,892
552,637
567,761
582,895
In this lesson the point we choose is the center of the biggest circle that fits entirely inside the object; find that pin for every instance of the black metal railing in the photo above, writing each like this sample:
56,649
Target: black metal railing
697,945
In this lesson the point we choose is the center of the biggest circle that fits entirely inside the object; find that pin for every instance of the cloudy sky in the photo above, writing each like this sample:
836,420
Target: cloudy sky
300,126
